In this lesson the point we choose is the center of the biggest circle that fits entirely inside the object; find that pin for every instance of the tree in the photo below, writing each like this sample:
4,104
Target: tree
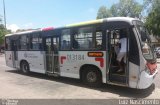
3,32
125,8
152,20
103,12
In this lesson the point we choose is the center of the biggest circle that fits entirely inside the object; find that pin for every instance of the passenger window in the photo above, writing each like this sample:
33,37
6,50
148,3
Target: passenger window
23,42
114,36
66,40
83,40
36,42
98,44
56,45
8,44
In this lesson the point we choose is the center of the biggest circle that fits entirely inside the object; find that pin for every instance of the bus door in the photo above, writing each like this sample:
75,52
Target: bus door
56,54
116,74
14,45
52,47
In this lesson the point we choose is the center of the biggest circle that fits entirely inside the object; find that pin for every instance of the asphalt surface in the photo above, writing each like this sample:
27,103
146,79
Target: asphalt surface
14,84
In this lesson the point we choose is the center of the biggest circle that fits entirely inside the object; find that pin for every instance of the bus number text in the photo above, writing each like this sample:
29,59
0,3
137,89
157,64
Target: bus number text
75,57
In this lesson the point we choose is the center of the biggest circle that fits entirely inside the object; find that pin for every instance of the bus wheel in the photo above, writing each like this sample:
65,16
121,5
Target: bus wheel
92,77
25,67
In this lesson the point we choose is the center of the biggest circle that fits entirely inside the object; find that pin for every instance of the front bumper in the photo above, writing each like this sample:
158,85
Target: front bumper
146,80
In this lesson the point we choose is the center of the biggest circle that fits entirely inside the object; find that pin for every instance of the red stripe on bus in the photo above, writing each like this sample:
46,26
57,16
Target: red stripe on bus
62,59
47,29
101,60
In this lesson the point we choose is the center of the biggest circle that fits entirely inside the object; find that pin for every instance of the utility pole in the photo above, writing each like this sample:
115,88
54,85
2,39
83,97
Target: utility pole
4,11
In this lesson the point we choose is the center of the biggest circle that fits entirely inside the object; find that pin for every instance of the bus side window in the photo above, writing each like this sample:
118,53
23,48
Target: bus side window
23,42
75,43
8,44
36,42
65,39
83,40
98,44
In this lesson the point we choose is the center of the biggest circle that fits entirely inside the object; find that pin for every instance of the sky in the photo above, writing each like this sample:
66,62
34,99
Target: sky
27,14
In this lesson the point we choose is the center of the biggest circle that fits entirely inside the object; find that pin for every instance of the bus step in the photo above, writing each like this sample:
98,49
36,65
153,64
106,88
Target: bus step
114,69
53,74
117,78
119,74
117,83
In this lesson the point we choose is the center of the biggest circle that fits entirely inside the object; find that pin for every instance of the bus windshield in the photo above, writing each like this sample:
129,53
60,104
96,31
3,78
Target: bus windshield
145,40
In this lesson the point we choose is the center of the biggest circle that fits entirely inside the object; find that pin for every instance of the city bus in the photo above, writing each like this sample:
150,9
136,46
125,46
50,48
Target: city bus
86,51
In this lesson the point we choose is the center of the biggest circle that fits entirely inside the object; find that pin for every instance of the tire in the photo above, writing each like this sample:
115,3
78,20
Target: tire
92,77
25,67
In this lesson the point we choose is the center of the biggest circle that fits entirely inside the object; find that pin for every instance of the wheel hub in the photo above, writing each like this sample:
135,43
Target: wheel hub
91,77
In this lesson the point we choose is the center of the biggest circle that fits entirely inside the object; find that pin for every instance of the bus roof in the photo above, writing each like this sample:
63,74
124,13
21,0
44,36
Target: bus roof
24,32
85,23
125,19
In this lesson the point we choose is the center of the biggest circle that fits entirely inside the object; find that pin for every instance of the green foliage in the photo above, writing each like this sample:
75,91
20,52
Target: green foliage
125,8
103,12
153,18
3,32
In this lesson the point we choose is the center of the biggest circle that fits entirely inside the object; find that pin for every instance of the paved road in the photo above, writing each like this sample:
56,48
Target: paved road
16,85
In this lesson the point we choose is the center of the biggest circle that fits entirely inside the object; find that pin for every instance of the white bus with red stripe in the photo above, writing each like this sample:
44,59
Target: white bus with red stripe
86,51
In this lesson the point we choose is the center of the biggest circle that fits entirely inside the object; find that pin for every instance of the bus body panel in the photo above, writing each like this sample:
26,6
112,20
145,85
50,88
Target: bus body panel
134,70
72,61
9,58
35,60
133,75
146,80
